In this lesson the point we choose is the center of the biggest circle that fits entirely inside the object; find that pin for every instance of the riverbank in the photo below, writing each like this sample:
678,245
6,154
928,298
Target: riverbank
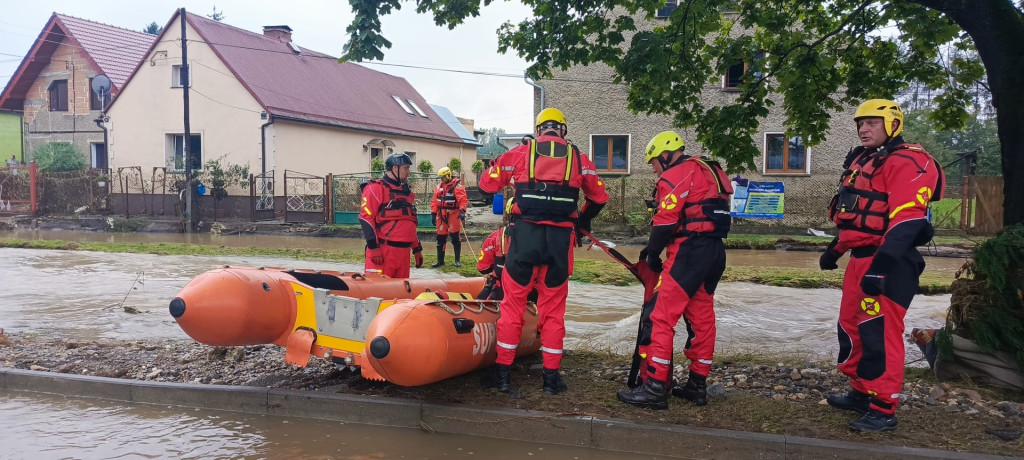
760,394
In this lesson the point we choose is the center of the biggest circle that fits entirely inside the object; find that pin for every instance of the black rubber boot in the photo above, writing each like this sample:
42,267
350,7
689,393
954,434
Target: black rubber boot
852,401
503,377
553,382
440,257
457,246
653,394
874,420
695,390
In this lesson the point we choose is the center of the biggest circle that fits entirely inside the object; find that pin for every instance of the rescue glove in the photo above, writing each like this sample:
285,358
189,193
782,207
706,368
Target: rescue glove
462,215
417,251
873,282
377,256
830,257
433,219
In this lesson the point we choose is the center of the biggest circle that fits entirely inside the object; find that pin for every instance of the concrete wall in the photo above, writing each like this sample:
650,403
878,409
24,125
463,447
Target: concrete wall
149,110
76,124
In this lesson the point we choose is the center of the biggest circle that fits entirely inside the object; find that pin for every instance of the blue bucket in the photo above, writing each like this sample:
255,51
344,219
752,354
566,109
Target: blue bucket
498,205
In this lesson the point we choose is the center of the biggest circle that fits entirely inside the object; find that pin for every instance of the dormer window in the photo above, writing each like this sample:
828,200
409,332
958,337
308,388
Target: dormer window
401,104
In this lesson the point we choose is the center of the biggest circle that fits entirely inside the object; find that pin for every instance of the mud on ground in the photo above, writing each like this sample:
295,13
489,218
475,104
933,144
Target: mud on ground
757,395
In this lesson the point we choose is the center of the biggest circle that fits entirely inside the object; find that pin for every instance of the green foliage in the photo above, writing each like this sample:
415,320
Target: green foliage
220,177
127,225
456,166
990,308
477,167
58,156
425,166
491,146
377,164
946,146
814,60
153,28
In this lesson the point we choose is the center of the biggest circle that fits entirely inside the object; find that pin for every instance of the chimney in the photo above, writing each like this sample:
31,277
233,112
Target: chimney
283,33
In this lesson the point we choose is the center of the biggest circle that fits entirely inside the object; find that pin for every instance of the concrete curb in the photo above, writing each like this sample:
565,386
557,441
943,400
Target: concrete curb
512,424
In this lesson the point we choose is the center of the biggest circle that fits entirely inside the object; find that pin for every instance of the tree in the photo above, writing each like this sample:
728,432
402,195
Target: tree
57,157
216,15
946,146
490,143
813,57
153,28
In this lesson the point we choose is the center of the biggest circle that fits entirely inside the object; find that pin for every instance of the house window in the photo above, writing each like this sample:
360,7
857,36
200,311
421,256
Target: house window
59,96
95,101
611,152
98,156
402,104
785,156
176,155
734,76
412,156
176,76
670,6
417,108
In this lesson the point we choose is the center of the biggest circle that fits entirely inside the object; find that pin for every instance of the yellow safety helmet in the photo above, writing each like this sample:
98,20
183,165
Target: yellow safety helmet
885,109
550,114
445,172
665,141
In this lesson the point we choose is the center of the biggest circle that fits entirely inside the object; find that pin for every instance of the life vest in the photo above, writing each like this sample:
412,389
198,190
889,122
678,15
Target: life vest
551,189
708,215
860,204
399,206
447,200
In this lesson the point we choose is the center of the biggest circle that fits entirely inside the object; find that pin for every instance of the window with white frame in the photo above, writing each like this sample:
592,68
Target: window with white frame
666,11
734,75
610,152
176,152
417,108
401,104
784,155
176,76
98,155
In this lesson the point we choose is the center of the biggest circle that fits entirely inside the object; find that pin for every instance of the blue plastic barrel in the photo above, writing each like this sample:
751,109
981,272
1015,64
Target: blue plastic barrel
498,205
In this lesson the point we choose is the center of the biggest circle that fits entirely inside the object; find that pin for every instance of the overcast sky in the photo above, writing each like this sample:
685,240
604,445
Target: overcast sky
319,25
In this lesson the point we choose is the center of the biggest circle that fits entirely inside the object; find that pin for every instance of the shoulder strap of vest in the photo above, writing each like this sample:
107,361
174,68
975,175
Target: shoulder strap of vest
714,167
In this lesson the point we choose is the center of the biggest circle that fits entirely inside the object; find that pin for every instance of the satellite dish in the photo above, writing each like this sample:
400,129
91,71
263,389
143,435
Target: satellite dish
101,85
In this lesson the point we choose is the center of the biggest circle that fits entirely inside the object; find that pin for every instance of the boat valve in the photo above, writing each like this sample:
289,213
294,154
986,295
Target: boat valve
349,360
328,353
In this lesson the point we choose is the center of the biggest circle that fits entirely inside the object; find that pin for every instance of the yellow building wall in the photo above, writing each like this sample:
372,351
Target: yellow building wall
149,109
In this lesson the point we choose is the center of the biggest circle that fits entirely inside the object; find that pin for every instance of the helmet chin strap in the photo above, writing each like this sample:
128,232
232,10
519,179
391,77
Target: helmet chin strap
665,164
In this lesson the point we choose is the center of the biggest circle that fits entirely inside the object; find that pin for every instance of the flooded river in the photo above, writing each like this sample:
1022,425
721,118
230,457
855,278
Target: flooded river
35,426
82,295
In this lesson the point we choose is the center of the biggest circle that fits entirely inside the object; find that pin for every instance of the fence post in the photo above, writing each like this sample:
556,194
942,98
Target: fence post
329,199
32,193
622,198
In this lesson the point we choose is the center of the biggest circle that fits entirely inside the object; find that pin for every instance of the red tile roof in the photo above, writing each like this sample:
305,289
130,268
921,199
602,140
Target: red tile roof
113,51
314,87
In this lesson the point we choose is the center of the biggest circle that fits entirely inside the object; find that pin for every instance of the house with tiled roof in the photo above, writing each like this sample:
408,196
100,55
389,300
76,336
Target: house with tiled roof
51,89
262,101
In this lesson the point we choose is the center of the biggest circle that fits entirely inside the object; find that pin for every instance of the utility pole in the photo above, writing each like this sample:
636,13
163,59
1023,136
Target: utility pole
187,142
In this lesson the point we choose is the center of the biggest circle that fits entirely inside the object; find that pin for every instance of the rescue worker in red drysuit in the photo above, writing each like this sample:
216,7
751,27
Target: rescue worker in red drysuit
448,213
491,262
692,217
388,218
548,174
881,213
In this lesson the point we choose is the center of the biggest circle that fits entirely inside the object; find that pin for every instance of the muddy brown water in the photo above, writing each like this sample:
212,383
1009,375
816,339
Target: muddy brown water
46,426
81,295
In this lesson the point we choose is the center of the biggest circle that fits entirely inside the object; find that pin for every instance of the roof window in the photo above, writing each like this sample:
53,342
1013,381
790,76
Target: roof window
413,104
402,104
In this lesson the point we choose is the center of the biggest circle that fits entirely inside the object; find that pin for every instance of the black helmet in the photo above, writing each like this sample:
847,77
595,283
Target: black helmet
397,159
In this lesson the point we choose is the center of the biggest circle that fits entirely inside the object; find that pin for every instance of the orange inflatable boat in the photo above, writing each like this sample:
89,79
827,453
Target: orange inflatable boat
339,316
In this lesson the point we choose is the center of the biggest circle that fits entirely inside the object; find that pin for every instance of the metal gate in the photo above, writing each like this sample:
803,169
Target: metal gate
305,197
261,195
